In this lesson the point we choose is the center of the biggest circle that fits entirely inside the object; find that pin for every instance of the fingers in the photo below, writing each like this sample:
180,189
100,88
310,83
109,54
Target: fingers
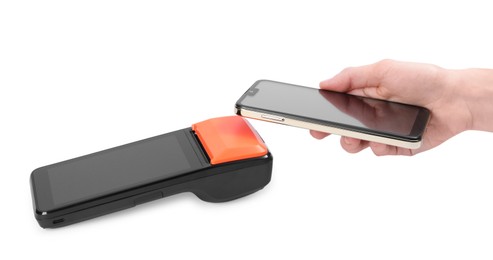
383,149
318,135
358,78
353,145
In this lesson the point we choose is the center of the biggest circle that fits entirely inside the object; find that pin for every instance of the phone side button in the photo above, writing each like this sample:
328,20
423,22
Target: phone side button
148,197
273,118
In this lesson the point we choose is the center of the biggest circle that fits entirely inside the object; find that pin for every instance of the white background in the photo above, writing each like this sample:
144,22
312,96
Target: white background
77,77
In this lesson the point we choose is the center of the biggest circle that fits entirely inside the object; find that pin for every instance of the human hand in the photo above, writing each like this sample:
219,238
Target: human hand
412,83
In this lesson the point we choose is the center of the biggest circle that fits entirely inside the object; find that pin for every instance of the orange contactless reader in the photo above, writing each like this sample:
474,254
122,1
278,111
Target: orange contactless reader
219,159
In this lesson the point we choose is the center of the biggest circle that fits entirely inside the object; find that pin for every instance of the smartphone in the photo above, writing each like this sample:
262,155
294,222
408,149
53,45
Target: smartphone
218,160
338,113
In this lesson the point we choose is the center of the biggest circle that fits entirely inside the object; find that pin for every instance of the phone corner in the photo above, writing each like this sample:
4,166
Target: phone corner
36,171
259,80
237,110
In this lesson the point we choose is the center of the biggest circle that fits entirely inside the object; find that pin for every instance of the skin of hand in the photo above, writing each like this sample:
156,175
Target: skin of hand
459,100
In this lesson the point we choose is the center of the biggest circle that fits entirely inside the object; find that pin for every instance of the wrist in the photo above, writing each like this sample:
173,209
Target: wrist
476,88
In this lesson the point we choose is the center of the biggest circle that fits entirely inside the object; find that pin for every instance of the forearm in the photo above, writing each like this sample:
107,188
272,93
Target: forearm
476,85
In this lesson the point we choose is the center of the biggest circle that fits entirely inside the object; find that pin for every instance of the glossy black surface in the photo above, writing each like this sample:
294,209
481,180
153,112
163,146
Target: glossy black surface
114,170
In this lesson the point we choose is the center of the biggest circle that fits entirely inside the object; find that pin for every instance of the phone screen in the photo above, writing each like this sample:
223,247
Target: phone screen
116,169
333,108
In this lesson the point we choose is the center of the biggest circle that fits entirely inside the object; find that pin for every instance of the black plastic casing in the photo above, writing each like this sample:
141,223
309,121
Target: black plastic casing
211,183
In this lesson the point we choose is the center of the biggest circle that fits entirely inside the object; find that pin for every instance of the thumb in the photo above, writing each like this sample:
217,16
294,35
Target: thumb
354,78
